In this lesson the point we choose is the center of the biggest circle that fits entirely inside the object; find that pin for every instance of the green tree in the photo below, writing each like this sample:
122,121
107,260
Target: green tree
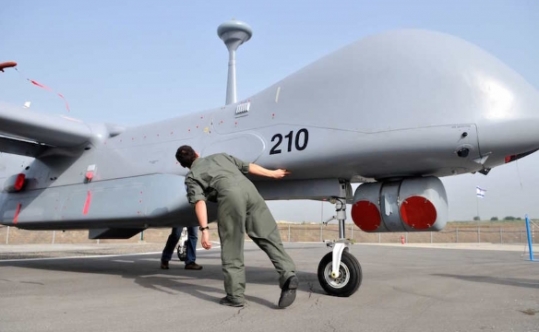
509,218
494,219
476,218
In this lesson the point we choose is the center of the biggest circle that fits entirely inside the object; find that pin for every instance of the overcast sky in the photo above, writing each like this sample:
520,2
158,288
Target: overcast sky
137,62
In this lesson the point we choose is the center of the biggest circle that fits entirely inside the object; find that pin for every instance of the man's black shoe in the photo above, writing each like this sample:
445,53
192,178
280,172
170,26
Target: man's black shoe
288,293
227,302
164,265
193,266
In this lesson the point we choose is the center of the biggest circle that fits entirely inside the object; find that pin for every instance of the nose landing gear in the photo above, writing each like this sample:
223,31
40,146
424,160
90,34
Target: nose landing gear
343,282
339,272
182,246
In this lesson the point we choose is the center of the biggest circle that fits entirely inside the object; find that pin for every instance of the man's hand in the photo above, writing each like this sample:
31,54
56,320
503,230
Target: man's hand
280,173
205,240
261,171
202,216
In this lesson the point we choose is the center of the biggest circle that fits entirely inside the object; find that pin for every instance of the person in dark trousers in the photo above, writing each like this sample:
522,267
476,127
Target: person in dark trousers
172,241
240,208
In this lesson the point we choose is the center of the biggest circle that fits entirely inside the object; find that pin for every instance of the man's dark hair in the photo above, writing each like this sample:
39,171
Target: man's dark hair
186,155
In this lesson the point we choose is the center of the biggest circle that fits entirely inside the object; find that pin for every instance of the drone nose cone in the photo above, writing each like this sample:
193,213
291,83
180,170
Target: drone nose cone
509,122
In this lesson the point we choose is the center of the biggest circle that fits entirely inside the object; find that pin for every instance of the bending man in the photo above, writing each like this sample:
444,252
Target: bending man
240,208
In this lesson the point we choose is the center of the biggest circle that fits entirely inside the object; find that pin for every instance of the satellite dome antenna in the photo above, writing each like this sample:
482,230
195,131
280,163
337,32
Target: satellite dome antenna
233,33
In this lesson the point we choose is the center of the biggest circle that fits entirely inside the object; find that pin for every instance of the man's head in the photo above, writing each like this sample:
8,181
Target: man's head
186,155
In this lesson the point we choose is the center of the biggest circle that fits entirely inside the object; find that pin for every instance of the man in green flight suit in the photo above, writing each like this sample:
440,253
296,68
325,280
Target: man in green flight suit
240,208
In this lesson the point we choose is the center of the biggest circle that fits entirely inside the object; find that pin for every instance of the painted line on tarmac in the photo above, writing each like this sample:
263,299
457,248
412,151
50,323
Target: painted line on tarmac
122,261
75,257
89,256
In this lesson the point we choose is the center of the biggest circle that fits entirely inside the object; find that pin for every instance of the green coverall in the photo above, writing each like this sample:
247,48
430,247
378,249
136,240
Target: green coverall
240,209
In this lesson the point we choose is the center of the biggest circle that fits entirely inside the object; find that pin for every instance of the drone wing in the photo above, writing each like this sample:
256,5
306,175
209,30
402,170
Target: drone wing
29,133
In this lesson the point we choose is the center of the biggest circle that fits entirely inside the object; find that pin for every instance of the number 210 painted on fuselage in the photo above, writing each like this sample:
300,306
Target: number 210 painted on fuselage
297,140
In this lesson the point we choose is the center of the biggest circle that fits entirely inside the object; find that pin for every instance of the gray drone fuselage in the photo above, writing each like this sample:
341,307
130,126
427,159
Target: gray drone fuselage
392,106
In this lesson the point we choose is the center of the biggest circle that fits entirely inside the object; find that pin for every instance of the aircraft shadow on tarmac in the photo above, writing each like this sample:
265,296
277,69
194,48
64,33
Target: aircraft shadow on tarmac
518,282
146,273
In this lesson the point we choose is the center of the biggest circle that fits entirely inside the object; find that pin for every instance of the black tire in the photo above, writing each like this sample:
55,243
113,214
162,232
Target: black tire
349,279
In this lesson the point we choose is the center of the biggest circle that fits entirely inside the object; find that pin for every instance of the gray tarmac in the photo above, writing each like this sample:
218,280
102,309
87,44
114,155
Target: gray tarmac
405,288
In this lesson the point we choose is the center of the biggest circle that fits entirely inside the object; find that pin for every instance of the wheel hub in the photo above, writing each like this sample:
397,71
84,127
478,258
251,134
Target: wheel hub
340,281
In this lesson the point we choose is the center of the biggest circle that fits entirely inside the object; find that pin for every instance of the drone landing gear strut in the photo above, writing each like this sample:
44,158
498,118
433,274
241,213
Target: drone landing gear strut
339,272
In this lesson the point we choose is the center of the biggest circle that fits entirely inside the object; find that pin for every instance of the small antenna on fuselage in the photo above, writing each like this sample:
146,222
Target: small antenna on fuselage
233,33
